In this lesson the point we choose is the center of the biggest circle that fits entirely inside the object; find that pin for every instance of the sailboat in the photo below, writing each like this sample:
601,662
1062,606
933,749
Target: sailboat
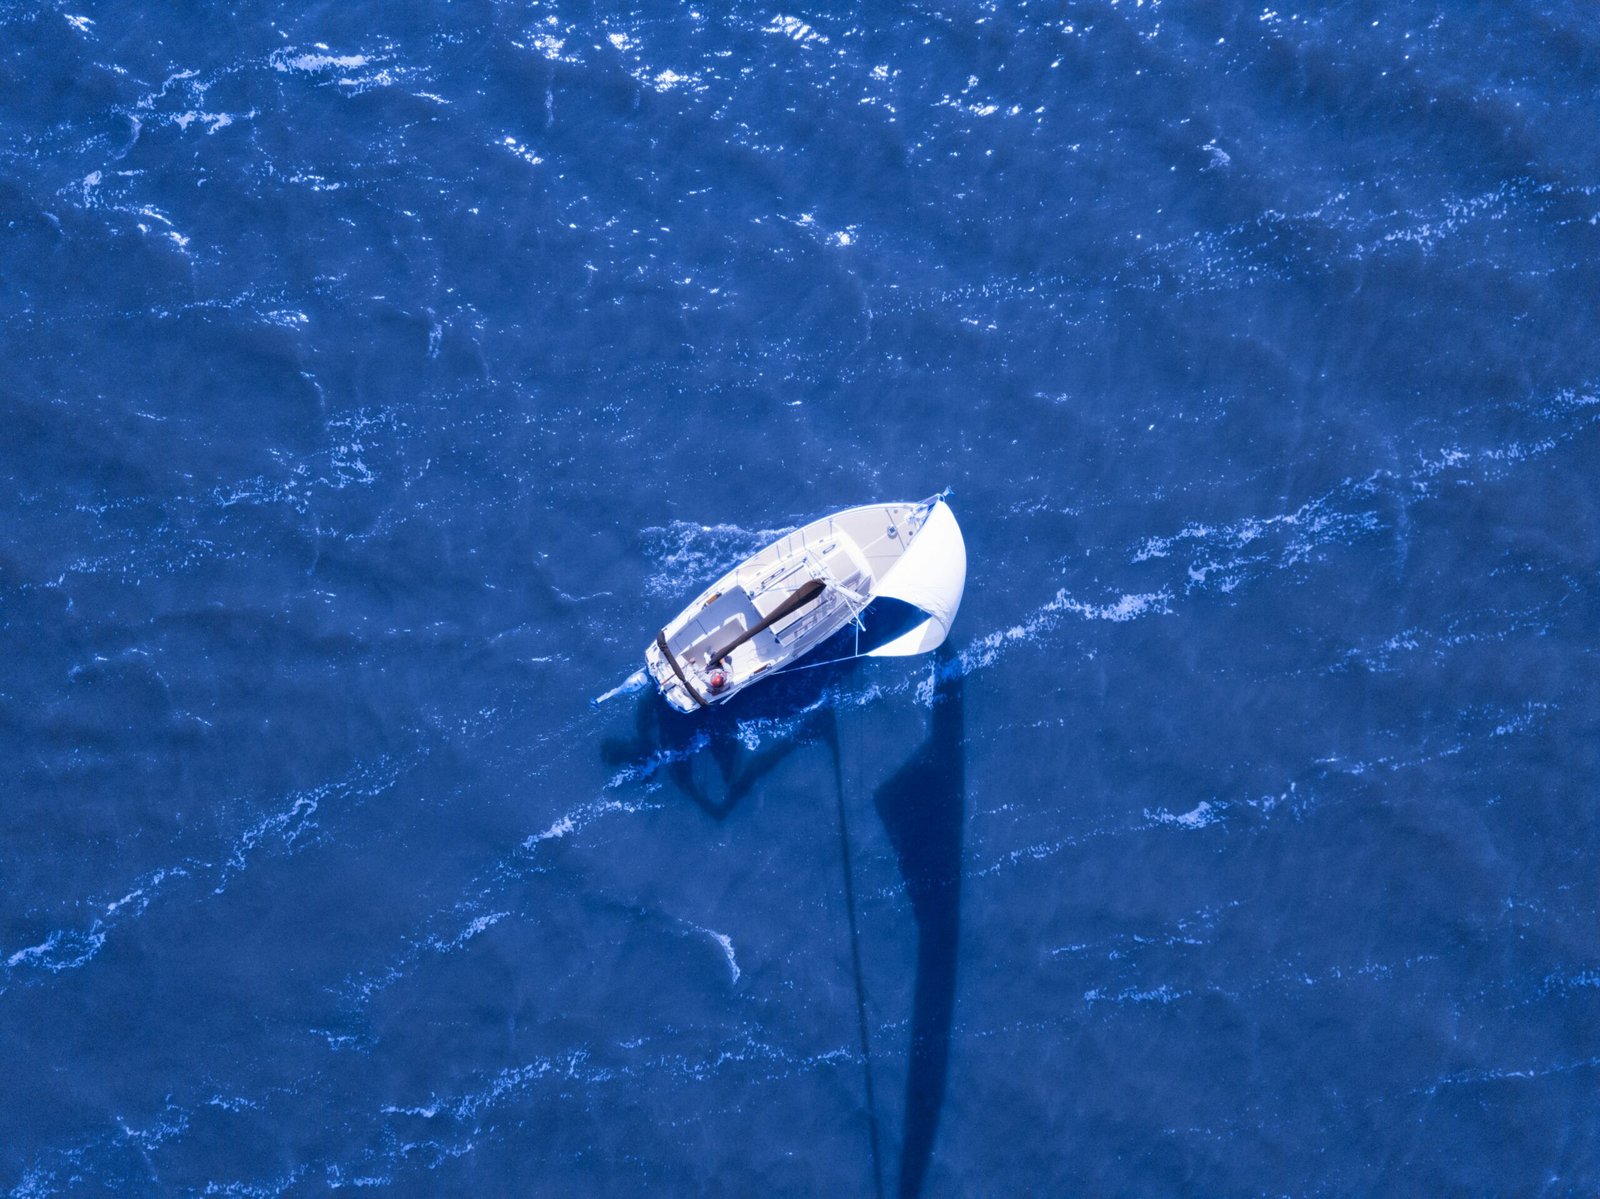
894,572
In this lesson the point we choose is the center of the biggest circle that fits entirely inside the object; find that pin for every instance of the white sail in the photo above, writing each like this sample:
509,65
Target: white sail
931,576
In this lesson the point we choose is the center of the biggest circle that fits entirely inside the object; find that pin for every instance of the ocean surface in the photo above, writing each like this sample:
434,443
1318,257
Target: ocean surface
376,379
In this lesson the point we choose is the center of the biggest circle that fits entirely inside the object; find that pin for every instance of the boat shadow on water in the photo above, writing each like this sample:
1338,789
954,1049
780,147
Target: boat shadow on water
676,746
922,805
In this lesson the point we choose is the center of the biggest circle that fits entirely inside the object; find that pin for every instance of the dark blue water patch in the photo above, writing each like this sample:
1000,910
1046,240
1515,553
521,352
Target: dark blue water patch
376,383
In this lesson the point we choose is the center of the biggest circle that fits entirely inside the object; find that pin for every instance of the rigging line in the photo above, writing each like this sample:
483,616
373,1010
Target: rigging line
855,949
829,662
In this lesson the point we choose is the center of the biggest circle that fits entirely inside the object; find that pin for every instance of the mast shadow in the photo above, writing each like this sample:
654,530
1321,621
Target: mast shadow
923,809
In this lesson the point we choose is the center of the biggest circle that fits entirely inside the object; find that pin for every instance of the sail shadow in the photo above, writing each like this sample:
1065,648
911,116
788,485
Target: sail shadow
923,809
706,755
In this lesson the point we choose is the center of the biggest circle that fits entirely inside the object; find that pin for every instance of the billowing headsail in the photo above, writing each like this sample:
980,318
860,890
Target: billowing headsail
931,576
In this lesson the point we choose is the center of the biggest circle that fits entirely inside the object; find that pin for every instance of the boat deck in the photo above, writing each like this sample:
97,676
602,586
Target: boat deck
848,551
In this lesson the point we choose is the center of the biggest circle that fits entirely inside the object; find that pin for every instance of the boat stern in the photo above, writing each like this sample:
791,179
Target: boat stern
673,686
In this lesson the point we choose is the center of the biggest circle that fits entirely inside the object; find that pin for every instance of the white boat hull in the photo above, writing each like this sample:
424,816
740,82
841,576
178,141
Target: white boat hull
777,606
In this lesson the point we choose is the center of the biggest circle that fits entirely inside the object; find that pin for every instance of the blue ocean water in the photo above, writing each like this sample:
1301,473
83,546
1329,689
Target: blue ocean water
375,381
